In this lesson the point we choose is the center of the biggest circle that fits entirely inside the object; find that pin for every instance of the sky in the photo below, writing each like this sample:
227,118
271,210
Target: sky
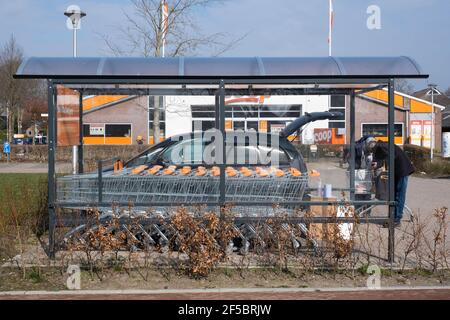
416,28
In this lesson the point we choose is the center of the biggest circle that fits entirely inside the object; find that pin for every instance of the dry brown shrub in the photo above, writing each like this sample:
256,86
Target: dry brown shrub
436,245
333,237
203,240
100,240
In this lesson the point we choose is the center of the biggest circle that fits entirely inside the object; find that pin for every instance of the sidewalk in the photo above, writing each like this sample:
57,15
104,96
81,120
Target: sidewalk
400,293
32,167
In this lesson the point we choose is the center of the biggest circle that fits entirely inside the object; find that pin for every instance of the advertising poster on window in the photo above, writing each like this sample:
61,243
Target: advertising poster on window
96,130
228,125
416,132
68,116
427,133
263,126
277,128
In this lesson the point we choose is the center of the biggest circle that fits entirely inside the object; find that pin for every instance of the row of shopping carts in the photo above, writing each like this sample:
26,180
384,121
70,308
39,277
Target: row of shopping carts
188,189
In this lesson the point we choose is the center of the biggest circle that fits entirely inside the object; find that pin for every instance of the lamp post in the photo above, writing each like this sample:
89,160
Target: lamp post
74,16
431,92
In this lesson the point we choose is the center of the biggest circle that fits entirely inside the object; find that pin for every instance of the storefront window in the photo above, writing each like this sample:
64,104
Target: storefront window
381,129
117,130
162,117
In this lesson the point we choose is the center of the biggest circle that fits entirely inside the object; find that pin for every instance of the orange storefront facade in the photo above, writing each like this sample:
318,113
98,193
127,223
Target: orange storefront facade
415,124
126,120
114,120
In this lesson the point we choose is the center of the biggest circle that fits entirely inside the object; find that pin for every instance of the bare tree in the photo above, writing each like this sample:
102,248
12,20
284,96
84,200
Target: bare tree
34,105
13,92
404,86
147,31
10,89
447,92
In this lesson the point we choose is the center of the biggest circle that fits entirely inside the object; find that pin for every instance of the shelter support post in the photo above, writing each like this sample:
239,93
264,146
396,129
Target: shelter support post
51,166
391,172
80,144
217,111
352,145
222,132
100,181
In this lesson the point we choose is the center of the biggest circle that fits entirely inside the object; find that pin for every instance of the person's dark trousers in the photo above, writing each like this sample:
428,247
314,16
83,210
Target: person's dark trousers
400,197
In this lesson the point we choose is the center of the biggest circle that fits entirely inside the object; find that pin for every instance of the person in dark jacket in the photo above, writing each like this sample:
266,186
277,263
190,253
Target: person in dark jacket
361,159
403,168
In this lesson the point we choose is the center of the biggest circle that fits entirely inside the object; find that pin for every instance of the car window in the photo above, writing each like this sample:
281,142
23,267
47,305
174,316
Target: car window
185,152
248,155
275,154
257,155
145,158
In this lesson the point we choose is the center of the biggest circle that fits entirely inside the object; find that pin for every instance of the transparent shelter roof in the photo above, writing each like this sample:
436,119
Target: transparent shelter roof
218,67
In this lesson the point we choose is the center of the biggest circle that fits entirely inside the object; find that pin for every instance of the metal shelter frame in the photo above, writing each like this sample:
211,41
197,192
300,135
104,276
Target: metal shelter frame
219,85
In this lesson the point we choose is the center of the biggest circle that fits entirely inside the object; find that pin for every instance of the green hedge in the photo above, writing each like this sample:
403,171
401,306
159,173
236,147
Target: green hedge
323,150
420,157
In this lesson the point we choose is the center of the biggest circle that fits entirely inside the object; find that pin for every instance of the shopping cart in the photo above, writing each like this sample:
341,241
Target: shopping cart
363,189
372,184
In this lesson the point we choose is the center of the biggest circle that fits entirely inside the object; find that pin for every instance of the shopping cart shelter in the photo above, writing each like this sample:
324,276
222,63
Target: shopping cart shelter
72,79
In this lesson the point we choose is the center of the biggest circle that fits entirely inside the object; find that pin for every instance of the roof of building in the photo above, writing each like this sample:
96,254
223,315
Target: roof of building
440,99
95,103
220,67
415,104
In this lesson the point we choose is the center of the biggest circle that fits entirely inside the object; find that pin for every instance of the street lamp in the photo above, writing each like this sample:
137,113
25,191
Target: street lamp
74,16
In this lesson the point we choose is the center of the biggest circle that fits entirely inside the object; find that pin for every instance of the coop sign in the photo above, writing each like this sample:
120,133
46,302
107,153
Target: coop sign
323,136
96,130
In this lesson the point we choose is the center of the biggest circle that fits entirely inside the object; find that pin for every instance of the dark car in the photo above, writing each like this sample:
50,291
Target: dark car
184,169
241,148
19,141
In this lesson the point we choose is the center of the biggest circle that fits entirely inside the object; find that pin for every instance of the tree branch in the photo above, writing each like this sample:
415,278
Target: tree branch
143,34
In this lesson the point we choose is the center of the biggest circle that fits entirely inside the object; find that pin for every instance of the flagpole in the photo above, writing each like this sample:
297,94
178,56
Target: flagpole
163,54
330,25
163,17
